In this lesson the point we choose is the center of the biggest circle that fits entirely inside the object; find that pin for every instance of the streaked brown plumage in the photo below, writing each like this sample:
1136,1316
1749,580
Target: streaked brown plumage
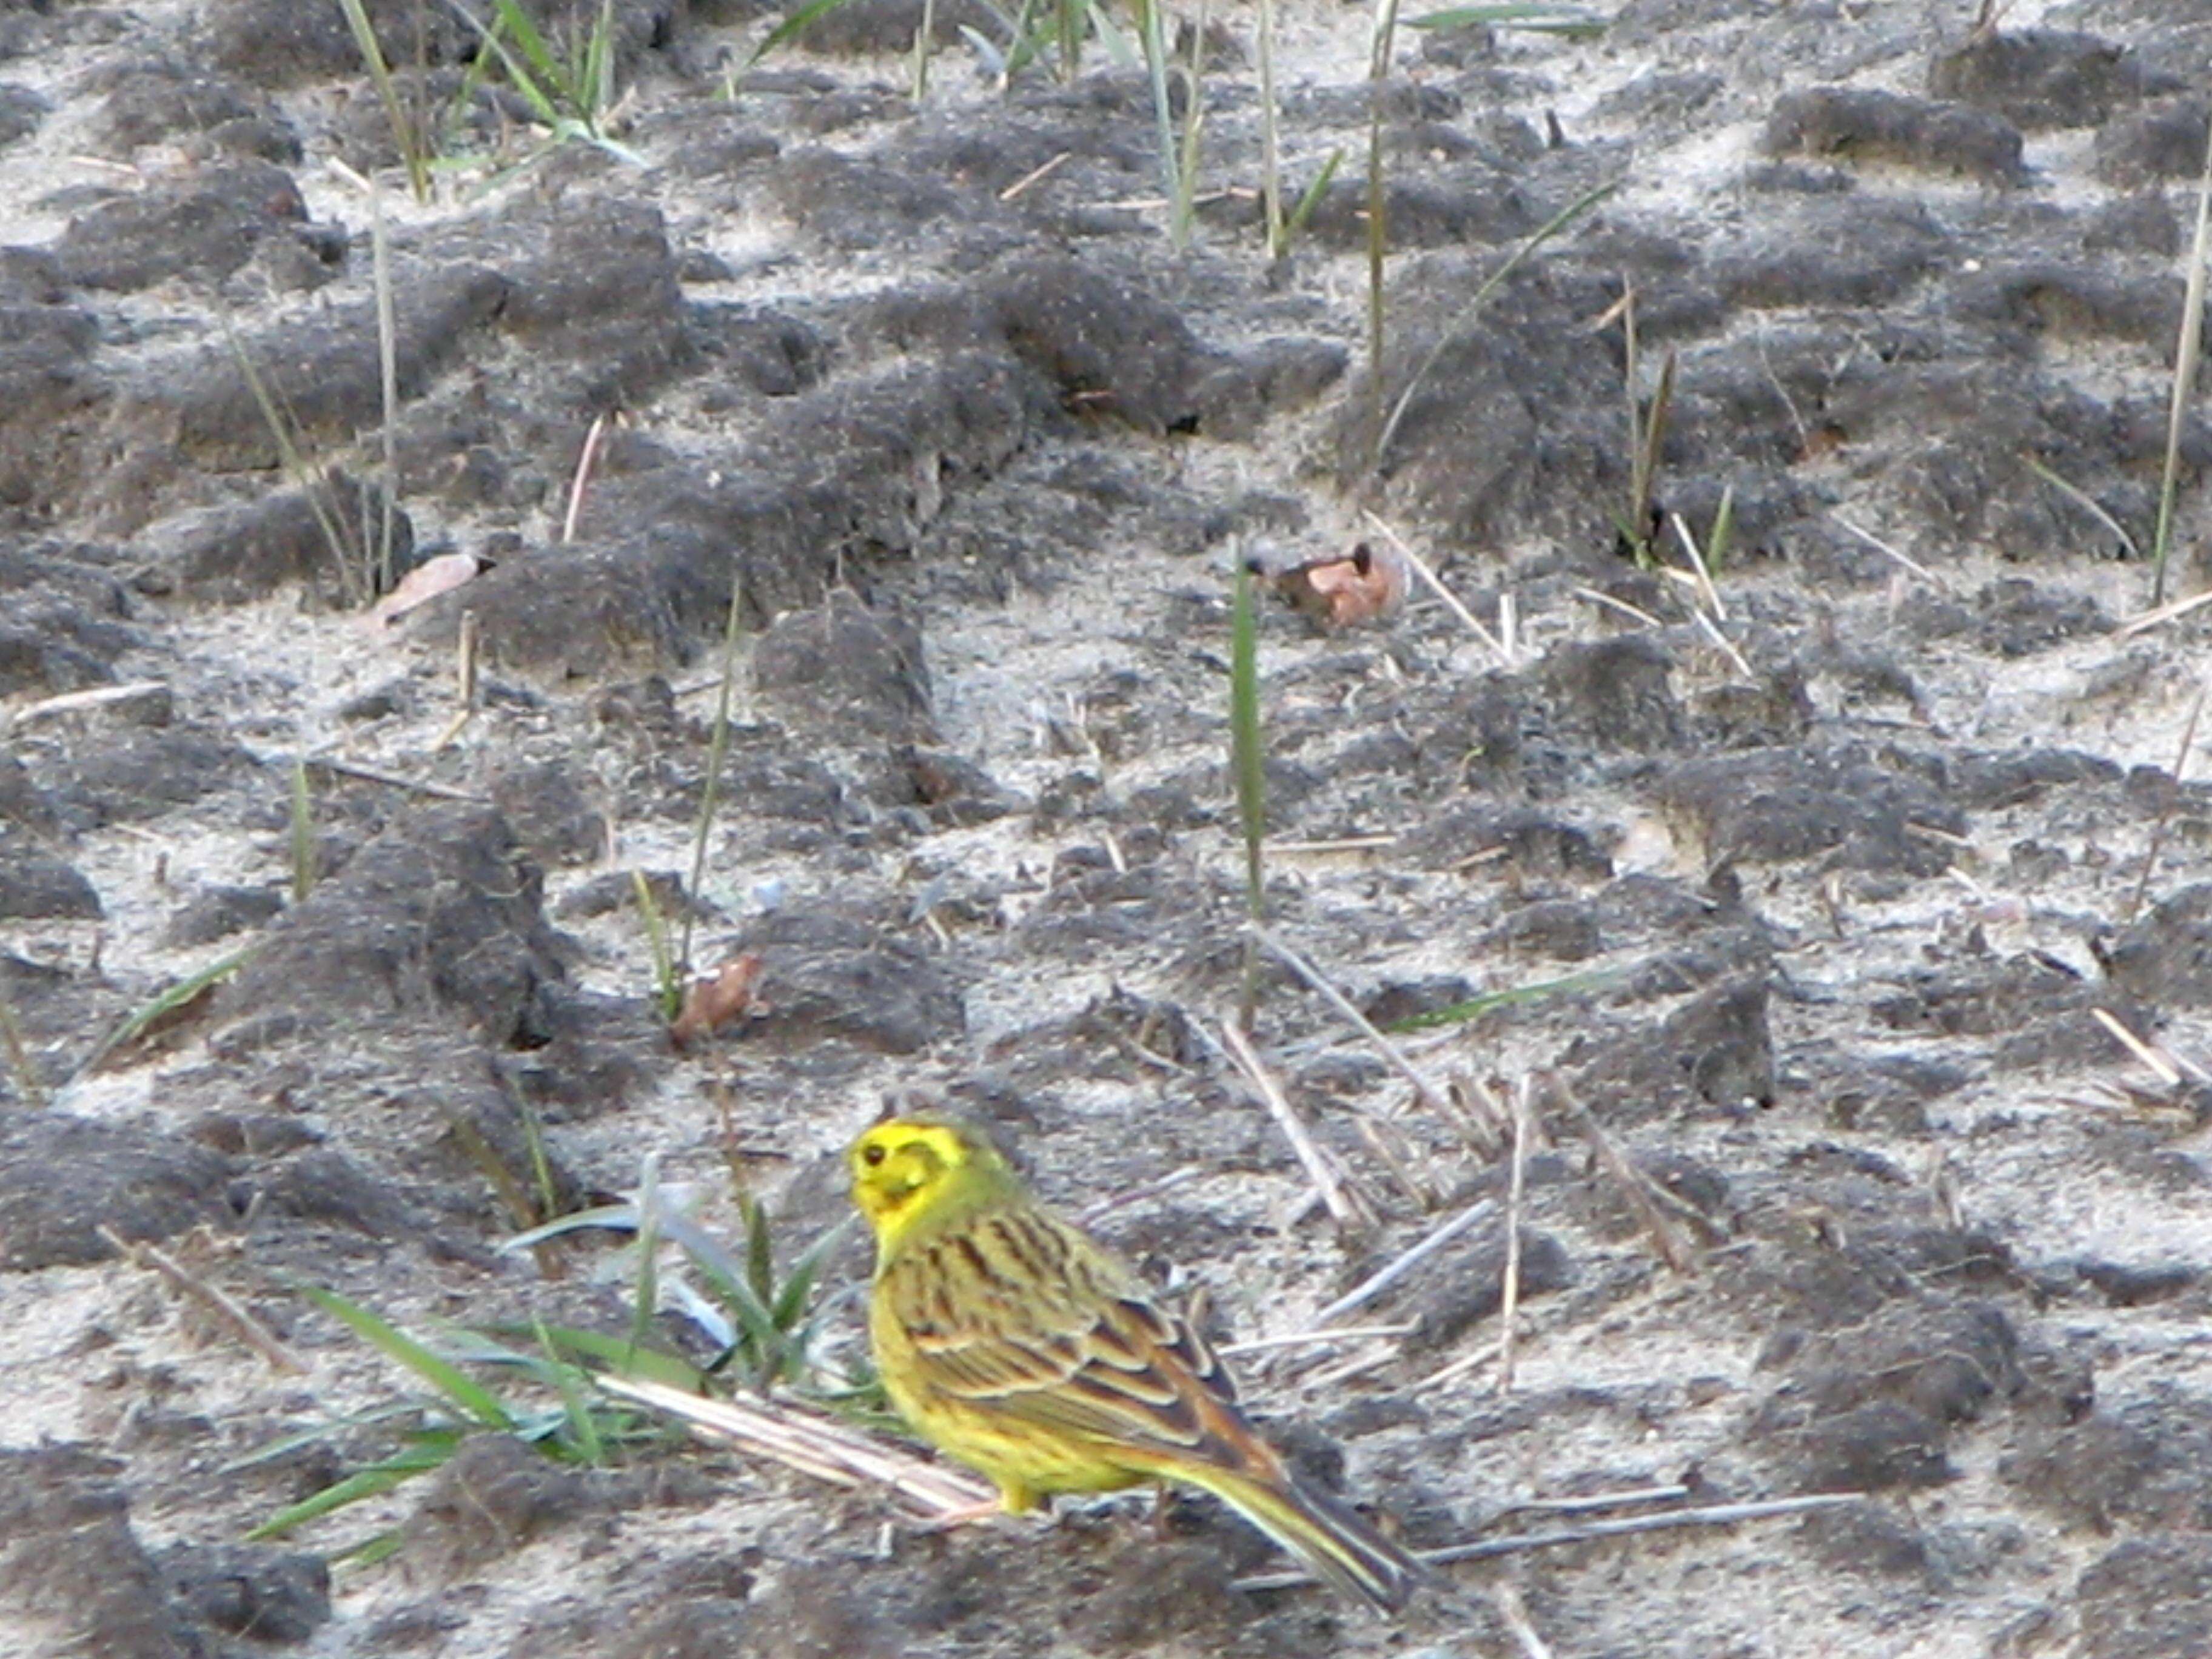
1010,1338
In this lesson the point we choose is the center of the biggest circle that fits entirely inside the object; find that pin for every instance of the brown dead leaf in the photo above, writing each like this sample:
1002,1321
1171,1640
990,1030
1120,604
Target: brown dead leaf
424,582
1338,593
714,1001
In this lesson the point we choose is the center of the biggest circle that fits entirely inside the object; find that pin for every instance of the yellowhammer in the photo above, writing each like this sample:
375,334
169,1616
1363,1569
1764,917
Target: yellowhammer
1011,1339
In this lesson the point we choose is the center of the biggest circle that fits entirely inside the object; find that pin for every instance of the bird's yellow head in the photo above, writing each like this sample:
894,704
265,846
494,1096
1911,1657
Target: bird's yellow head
906,1169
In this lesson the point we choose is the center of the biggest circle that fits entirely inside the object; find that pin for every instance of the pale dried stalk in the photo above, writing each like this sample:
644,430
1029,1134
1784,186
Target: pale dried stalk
1419,567
256,1335
1375,1282
1675,1250
1342,1208
814,1444
1392,1055
1508,1303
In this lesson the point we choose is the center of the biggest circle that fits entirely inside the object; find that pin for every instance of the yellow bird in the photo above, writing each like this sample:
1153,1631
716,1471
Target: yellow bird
1008,1338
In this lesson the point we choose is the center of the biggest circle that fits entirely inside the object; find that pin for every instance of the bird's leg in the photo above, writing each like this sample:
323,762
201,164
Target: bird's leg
1162,1508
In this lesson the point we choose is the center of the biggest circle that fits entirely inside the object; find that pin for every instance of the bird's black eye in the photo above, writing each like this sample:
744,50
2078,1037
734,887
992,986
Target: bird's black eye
872,1155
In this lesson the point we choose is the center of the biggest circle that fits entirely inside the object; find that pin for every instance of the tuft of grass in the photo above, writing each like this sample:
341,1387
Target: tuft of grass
2188,351
575,1426
1247,763
569,85
1647,434
765,1316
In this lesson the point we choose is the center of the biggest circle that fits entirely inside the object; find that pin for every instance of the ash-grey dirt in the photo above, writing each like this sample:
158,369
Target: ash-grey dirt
1859,857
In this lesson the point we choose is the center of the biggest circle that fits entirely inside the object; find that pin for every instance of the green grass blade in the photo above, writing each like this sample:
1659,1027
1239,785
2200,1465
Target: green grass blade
1311,198
1544,233
167,1002
376,1478
583,1427
1570,21
795,24
470,1398
617,1354
1475,1007
798,1284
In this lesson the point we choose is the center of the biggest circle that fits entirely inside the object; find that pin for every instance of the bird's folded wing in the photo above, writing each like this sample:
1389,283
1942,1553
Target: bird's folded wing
1112,1367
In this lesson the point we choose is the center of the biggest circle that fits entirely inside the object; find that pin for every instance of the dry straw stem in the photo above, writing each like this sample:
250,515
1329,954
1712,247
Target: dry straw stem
1515,1613
1317,1338
1717,1515
582,478
392,779
1381,1280
75,703
1904,559
1430,1096
2163,615
2187,354
257,1336
1635,1185
2166,812
2088,503
1343,1208
814,1444
1508,1303
1421,568
2164,1063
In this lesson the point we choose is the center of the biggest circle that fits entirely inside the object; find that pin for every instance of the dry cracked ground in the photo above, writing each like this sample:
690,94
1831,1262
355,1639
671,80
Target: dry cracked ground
1852,864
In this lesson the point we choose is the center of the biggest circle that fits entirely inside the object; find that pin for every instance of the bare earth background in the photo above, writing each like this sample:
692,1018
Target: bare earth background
1856,883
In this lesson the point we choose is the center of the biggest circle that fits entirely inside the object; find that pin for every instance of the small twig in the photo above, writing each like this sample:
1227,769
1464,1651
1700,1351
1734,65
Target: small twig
2163,615
2168,1072
815,1446
392,779
1457,1368
1591,1502
1307,1339
1419,567
1708,594
1508,1303
1515,1613
1342,1207
1035,175
1882,546
1430,1096
1635,1185
1375,1282
75,703
2158,831
257,1335
1593,597
1717,1515
581,478
1166,1183
1341,844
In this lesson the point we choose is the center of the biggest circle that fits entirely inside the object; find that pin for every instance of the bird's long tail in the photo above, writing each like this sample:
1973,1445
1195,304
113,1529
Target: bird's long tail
1334,1543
